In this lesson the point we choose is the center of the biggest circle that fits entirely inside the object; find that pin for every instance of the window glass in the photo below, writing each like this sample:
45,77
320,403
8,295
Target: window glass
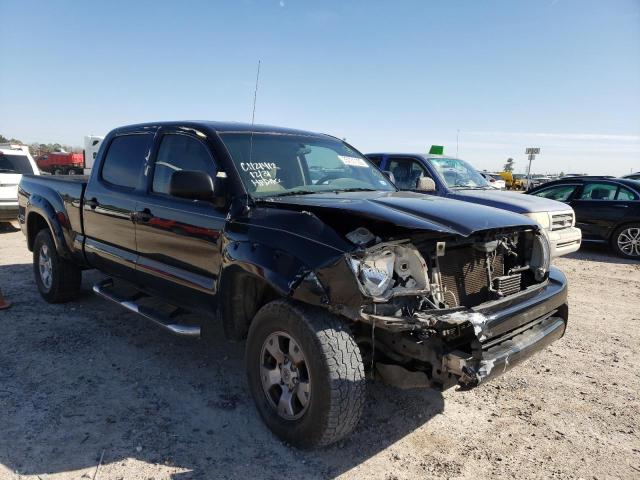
599,191
179,152
406,171
125,159
458,173
625,194
274,164
558,192
10,163
375,159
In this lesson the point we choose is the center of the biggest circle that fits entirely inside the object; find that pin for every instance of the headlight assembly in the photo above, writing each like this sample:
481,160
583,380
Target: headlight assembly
388,270
541,217
374,272
540,257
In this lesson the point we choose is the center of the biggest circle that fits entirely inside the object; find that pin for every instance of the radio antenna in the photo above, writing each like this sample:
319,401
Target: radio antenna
253,114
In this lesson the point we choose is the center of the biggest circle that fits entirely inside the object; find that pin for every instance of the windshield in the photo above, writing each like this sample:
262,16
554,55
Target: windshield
458,173
15,164
274,164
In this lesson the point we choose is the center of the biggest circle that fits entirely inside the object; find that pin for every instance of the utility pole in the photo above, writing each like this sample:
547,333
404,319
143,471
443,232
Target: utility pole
532,152
457,140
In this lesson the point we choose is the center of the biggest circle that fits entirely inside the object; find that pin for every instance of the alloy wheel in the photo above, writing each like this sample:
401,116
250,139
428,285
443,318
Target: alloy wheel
629,241
285,376
45,268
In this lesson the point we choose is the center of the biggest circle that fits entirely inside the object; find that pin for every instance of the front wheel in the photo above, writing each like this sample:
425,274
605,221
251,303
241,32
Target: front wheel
57,279
626,241
305,374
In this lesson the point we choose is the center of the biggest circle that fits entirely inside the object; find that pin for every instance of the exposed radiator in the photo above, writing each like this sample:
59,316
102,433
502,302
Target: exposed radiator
464,274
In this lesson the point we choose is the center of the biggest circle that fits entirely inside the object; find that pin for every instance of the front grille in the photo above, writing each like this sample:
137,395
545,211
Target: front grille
561,220
464,274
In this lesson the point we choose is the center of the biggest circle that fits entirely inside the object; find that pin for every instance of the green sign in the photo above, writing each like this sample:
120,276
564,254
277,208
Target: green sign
436,150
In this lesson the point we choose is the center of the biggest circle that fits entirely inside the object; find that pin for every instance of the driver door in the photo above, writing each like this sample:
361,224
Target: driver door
406,172
178,238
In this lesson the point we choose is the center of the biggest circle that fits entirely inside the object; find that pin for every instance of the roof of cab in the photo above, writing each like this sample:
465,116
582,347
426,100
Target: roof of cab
426,156
635,184
220,127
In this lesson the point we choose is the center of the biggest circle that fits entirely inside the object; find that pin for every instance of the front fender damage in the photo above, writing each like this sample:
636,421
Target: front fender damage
416,332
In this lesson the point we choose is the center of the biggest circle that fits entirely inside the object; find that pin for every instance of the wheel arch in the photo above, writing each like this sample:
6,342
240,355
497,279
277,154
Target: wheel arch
623,223
41,214
252,276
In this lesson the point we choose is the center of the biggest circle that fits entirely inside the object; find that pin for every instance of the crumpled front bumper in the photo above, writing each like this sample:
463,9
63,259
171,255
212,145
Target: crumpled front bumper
509,334
469,346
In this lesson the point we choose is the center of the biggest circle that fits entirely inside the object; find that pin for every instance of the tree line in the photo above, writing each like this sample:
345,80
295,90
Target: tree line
37,149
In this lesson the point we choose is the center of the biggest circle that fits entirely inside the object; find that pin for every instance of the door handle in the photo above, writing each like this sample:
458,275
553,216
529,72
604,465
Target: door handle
93,203
621,205
142,216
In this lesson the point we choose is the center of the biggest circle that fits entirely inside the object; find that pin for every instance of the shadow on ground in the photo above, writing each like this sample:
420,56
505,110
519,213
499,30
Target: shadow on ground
600,252
6,227
84,378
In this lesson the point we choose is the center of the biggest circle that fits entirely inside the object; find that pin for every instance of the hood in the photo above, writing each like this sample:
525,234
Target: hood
514,202
409,210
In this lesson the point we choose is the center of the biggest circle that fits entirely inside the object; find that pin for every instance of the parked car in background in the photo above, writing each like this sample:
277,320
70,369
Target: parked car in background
633,176
15,161
226,220
457,179
494,180
607,209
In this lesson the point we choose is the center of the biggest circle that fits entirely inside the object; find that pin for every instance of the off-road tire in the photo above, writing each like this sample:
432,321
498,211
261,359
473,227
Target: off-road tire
616,235
338,385
65,276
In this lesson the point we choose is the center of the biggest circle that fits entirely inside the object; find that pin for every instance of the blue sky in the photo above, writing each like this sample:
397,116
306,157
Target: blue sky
560,74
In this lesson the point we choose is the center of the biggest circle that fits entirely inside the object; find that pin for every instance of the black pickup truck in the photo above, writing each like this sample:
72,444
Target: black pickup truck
295,241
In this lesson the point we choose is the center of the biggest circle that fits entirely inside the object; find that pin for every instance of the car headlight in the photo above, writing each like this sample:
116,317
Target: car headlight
540,257
374,271
541,217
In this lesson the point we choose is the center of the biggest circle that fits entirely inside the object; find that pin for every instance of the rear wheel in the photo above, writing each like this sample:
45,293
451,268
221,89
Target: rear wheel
626,241
58,280
305,374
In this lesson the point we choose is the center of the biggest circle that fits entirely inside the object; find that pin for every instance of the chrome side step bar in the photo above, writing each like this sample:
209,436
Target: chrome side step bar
104,289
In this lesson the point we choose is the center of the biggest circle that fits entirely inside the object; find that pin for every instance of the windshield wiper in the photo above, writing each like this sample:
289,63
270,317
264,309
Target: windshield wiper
355,189
9,170
292,192
468,187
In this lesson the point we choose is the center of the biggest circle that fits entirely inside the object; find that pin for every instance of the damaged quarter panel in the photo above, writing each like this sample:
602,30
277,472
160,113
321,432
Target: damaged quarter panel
289,249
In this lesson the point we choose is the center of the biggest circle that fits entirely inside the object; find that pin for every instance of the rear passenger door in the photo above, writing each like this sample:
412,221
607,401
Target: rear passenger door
178,238
110,199
598,209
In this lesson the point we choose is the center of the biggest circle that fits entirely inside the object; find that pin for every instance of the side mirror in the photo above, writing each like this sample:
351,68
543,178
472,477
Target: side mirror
390,176
196,185
425,184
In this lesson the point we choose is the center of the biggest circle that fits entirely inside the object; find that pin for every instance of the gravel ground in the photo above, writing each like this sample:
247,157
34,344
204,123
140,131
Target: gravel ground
87,380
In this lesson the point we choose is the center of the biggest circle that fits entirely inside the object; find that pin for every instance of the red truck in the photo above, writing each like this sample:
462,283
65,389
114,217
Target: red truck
61,163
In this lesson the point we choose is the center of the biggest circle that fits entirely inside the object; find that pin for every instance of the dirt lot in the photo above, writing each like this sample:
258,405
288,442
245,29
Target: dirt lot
88,380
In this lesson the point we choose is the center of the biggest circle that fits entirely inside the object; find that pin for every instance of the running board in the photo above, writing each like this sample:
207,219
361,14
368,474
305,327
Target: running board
104,289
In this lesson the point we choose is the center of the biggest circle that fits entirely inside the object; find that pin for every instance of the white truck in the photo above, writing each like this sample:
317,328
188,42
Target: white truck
91,146
15,161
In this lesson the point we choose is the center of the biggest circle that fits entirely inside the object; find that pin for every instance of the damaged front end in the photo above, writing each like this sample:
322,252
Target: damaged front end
442,311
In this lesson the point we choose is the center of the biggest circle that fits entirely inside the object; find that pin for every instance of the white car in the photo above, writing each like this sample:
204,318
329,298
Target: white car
15,161
495,180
